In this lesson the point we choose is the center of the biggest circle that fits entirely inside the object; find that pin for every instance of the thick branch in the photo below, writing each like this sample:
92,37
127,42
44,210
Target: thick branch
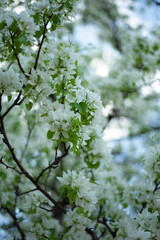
92,233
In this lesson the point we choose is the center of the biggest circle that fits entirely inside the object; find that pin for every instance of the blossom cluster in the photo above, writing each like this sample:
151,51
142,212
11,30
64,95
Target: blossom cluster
57,176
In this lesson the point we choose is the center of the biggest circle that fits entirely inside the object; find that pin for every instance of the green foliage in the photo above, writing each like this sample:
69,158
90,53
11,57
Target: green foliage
51,125
70,193
29,106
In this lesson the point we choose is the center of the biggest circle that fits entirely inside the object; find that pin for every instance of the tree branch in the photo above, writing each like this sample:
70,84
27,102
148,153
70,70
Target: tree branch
16,223
0,103
23,193
157,186
102,234
45,209
99,213
27,142
55,163
16,56
7,166
92,233
40,45
16,102
28,176
113,233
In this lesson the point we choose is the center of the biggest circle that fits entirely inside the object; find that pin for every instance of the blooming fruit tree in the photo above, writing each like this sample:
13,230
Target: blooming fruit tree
57,178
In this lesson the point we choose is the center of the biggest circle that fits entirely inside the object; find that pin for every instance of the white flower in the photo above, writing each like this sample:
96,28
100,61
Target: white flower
152,163
86,191
78,224
10,81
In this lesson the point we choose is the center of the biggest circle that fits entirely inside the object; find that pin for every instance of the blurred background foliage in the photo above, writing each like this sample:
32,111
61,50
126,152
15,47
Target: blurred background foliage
120,59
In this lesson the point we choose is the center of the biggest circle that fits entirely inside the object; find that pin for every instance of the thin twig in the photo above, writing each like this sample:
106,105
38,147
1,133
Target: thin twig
40,46
27,175
16,223
46,181
102,234
55,163
45,237
27,142
47,210
23,193
7,166
44,170
66,151
157,187
16,55
99,213
16,102
113,233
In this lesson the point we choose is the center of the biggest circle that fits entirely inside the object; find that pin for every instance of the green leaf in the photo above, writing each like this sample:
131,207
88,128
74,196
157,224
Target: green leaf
3,175
136,201
125,205
9,98
155,47
32,211
29,106
86,213
44,115
133,84
83,106
63,191
84,120
2,25
50,134
38,34
93,165
55,21
66,229
72,195
28,86
76,73
37,17
80,210
22,38
76,106
68,5
14,27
